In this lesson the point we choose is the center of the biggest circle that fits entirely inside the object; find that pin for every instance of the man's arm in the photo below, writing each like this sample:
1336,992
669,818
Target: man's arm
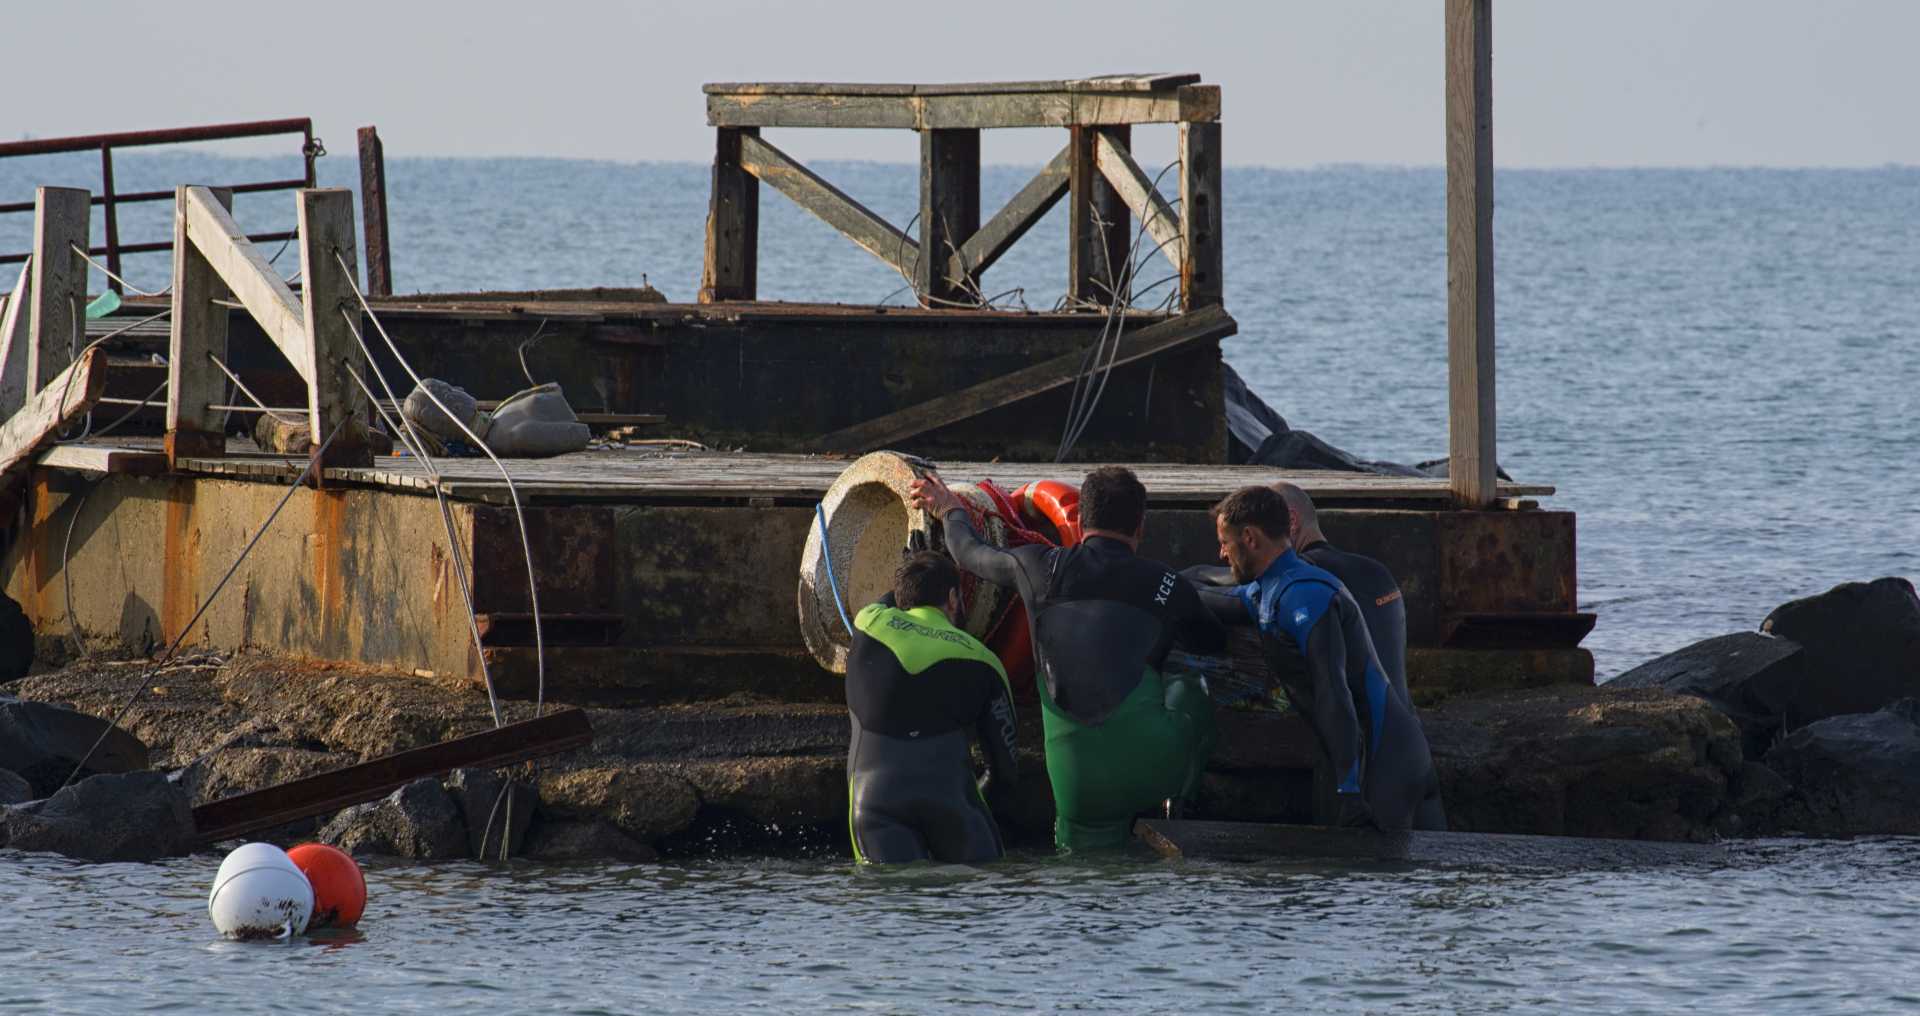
1323,645
1228,606
1196,624
970,551
995,730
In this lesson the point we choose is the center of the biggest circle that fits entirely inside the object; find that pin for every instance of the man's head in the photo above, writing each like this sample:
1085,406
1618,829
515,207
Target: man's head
1251,525
1113,501
1303,524
928,579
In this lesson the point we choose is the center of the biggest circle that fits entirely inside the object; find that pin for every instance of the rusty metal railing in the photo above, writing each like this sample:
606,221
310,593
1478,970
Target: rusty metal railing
108,198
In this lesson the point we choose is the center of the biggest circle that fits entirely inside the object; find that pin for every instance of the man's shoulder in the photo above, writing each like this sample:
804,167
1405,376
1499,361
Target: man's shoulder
1353,570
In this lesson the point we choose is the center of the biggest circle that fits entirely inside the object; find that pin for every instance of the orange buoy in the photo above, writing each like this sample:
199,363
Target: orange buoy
339,889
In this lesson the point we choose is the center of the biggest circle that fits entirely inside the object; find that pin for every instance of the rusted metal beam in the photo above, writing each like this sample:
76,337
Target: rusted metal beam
316,795
165,136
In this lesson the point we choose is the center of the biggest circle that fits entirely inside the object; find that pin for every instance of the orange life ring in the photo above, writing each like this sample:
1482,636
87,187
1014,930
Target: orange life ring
1055,502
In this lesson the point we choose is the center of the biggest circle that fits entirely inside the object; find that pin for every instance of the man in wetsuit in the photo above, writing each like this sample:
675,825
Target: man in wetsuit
1121,739
1374,589
916,687
1317,640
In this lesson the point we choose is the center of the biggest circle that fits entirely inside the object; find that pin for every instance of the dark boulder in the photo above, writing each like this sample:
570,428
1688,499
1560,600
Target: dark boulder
591,840
111,817
1854,775
1749,676
493,809
43,742
1862,648
419,820
14,788
16,640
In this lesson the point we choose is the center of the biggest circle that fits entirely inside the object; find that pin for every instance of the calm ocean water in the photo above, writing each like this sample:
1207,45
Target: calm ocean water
1719,369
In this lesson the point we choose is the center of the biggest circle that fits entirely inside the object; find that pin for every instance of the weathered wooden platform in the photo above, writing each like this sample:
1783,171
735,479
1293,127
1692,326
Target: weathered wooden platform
1248,841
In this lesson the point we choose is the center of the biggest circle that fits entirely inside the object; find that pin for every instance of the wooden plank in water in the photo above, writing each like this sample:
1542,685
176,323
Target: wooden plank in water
1208,324
316,795
1260,841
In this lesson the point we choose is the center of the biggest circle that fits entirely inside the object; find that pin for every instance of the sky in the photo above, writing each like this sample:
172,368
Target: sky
1615,83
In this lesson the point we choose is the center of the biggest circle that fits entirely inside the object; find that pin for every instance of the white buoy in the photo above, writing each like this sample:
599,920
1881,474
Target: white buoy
260,893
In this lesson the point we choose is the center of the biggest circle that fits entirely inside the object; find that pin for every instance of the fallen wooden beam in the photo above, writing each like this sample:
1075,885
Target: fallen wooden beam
66,398
831,205
1152,340
14,336
1260,841
316,795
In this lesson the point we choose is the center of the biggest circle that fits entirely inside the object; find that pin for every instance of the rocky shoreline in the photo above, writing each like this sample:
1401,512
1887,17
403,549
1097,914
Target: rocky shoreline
1750,734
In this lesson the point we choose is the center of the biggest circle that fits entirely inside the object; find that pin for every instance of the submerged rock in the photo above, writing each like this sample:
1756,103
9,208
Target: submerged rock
1569,760
645,802
1854,775
1862,648
492,811
419,820
592,840
111,817
1749,676
43,742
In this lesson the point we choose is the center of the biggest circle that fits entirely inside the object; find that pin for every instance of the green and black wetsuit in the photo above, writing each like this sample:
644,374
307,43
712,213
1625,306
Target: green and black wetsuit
1121,738
916,687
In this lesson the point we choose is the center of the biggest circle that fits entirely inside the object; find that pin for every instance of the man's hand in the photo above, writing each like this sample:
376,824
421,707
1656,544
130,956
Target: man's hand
931,493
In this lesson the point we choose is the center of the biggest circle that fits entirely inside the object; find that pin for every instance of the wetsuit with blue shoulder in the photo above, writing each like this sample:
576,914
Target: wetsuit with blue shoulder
1317,641
1122,738
918,690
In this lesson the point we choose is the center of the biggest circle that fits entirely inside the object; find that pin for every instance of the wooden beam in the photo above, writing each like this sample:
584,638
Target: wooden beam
1164,336
66,397
253,282
1470,377
1202,273
1262,841
330,791
1137,191
964,110
949,214
198,328
373,211
1099,228
59,291
1011,223
731,270
14,338
874,234
335,401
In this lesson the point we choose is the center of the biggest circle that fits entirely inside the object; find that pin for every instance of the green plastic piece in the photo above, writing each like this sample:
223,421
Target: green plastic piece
102,305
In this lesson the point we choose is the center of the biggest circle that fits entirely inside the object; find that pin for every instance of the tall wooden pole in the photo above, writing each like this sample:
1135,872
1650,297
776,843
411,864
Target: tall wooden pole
732,264
949,211
59,283
1470,389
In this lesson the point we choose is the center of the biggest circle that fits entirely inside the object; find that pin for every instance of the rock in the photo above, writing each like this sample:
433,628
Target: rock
646,802
563,840
1856,775
1568,760
488,813
1862,648
1748,675
14,788
419,820
110,817
240,770
802,790
16,640
43,742
1755,802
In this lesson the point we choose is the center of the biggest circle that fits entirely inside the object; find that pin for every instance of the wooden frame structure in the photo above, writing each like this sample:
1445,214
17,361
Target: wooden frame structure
1106,189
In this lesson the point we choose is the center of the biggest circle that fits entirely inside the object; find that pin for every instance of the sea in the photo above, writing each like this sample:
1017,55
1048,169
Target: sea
1718,370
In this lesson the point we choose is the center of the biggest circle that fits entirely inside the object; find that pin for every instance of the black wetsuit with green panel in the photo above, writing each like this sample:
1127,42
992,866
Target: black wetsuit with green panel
1120,737
917,689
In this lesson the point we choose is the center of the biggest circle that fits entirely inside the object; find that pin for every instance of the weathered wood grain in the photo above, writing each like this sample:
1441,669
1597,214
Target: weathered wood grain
1136,189
852,219
58,294
198,328
1470,330
335,401
949,214
1011,223
732,266
254,282
1202,273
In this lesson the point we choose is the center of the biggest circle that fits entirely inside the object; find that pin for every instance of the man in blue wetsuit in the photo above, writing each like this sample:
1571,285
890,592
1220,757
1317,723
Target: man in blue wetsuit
917,687
1317,640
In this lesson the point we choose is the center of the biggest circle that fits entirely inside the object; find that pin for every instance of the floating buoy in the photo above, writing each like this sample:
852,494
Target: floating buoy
260,893
339,889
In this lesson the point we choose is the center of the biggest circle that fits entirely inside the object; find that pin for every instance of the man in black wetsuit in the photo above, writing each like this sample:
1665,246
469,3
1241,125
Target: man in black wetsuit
1121,738
916,686
1374,589
1317,640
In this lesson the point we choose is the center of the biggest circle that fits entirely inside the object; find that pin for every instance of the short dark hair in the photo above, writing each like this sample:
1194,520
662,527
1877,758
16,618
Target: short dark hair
924,580
1255,506
1112,498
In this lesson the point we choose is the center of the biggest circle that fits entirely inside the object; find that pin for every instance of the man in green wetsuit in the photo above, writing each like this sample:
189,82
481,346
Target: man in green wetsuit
917,686
1121,738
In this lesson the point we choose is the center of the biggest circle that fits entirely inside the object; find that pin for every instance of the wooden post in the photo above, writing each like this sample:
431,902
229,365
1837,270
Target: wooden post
1201,276
199,328
733,223
59,289
14,341
373,212
1470,388
1099,232
326,230
949,213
